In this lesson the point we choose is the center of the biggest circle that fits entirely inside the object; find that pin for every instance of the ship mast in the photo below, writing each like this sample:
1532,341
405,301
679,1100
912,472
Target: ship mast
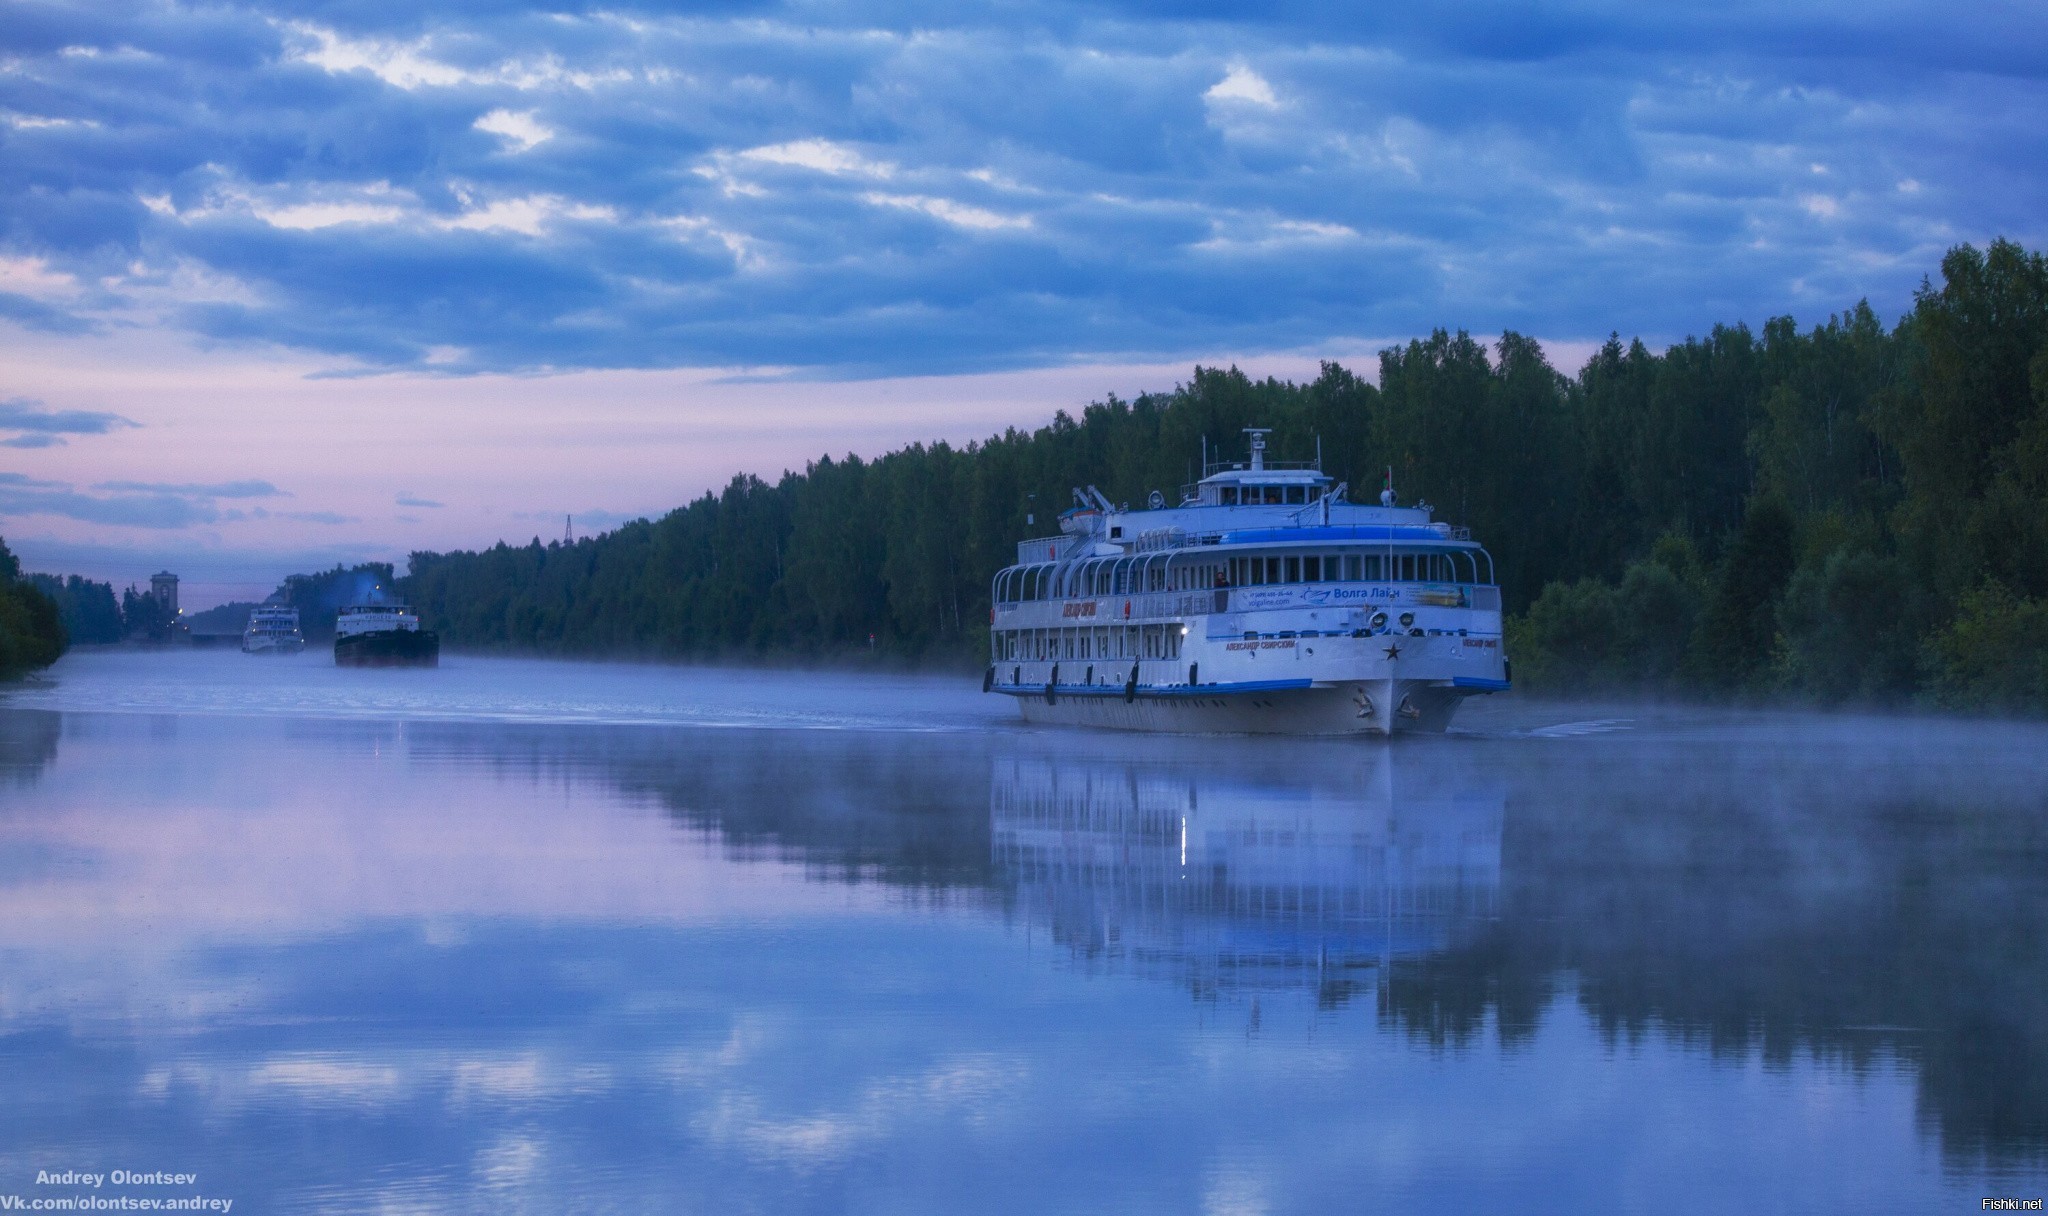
1258,434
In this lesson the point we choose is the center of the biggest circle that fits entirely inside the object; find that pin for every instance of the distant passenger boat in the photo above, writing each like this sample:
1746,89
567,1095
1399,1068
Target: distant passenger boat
1265,602
383,635
273,629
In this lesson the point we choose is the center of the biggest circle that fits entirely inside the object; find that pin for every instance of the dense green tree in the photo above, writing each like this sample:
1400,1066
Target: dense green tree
1738,635
1851,628
1993,655
1969,429
91,614
31,629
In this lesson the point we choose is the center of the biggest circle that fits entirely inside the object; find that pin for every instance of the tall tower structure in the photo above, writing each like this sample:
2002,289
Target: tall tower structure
164,587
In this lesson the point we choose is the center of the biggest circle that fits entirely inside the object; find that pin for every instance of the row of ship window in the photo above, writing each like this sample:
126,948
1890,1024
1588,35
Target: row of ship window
1132,575
1094,642
1345,568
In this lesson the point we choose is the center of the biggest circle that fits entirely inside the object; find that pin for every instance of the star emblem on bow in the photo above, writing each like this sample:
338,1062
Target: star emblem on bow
1394,651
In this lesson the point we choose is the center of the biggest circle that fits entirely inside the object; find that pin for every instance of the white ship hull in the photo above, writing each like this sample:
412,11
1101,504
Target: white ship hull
1323,685
1336,709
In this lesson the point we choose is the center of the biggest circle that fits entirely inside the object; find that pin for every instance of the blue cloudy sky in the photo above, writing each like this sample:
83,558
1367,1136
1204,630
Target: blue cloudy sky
485,216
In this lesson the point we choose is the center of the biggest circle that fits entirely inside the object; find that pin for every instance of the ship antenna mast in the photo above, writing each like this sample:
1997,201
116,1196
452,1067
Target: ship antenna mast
1258,434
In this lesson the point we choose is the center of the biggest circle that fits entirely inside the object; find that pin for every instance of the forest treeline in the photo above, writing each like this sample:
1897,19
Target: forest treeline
31,627
92,615
1851,512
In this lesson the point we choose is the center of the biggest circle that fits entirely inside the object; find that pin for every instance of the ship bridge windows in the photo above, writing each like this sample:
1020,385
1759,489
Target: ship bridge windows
1277,495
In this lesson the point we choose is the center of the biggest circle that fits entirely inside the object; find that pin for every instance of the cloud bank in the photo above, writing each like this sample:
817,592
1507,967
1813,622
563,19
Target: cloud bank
36,427
152,505
896,188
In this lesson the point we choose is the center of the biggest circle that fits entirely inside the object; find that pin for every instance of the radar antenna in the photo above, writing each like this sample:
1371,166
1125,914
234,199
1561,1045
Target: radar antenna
1258,434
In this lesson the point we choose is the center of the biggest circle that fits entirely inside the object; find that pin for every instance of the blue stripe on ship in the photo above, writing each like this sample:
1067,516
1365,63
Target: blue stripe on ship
1146,690
1475,683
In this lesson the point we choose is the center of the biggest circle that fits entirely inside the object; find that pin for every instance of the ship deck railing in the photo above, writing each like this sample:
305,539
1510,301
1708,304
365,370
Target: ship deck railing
1213,467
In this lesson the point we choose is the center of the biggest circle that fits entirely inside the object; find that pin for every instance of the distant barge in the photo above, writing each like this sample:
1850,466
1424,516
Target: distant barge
383,635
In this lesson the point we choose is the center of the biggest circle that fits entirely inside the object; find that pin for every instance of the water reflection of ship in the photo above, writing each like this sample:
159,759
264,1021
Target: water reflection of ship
1235,882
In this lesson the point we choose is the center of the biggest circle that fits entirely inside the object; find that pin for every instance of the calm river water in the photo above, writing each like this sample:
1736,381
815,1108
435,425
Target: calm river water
546,937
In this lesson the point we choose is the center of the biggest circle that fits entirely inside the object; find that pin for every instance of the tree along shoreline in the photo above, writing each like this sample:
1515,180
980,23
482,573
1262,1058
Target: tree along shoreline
1845,514
32,634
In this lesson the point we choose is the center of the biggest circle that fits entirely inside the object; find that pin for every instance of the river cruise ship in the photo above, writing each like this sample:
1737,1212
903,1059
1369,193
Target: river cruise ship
273,629
1265,602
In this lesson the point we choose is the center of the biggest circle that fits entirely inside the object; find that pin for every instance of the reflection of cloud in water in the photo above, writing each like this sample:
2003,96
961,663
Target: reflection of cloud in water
1287,875
384,1077
961,1091
319,1077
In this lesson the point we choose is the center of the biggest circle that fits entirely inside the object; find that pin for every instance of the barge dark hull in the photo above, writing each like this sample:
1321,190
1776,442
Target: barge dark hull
389,648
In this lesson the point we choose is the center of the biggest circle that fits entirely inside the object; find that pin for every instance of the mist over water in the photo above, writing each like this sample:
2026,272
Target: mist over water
525,936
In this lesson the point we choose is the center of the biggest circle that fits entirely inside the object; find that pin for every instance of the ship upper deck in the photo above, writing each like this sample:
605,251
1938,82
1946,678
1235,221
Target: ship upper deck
1239,508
